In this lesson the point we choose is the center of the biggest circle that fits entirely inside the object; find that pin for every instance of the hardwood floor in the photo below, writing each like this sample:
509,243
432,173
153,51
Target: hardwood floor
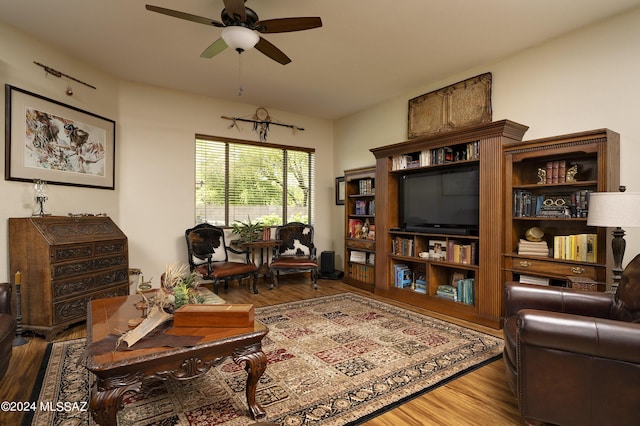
481,397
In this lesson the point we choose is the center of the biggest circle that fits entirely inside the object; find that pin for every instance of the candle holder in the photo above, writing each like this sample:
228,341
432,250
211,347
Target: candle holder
19,340
40,196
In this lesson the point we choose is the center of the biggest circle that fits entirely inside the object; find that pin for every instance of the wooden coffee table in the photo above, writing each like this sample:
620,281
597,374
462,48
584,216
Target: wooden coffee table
119,372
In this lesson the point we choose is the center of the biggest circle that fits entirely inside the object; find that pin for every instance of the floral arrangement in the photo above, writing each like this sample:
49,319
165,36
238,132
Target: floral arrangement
179,286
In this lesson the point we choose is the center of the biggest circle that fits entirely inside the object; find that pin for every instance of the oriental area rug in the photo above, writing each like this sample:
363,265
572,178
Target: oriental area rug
331,360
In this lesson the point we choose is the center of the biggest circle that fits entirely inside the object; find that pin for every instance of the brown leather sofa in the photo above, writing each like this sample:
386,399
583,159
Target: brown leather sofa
7,328
573,357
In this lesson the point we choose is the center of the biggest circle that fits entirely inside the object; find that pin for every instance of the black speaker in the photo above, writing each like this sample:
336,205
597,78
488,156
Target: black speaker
328,266
327,262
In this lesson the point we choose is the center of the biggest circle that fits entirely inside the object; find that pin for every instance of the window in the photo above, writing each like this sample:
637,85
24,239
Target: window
238,180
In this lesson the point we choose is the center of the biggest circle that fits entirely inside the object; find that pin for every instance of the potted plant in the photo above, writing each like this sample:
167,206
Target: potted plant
247,231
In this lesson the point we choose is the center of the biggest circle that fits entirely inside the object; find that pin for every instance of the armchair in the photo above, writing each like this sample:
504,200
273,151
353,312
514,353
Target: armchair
7,328
573,357
209,256
296,253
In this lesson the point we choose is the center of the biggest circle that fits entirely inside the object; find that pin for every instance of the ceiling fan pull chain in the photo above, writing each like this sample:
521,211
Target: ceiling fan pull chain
240,74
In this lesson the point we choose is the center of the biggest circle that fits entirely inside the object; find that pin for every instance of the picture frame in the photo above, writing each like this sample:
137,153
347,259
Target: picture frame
340,190
57,143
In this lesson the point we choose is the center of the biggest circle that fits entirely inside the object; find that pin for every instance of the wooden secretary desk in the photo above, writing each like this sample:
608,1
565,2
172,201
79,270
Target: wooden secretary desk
65,262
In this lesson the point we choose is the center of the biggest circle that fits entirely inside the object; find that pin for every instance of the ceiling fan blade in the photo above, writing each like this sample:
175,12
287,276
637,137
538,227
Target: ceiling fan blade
235,8
214,48
183,15
271,51
285,25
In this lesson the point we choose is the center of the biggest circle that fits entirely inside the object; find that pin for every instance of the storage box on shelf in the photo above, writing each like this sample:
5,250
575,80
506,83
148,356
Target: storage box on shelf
434,278
549,181
360,227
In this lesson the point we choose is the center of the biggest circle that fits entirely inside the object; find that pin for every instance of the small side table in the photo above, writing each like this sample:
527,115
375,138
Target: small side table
261,246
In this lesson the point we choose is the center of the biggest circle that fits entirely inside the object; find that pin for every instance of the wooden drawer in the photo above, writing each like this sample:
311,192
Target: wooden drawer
70,269
71,309
551,268
354,243
72,287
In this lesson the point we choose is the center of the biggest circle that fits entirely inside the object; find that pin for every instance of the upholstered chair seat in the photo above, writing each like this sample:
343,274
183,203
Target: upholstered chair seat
209,256
296,253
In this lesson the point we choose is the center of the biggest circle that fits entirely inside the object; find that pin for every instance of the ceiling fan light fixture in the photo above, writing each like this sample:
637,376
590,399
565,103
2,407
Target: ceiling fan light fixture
239,38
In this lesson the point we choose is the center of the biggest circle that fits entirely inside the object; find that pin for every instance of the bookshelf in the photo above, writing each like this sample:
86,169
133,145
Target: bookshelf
428,276
360,227
549,181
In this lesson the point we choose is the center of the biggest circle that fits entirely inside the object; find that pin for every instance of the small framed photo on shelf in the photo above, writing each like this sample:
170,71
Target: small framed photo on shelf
437,250
340,190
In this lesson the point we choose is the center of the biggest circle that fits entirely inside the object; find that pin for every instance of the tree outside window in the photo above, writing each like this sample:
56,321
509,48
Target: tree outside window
239,180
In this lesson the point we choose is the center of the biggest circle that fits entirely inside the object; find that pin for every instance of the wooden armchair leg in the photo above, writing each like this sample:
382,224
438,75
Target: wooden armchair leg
255,283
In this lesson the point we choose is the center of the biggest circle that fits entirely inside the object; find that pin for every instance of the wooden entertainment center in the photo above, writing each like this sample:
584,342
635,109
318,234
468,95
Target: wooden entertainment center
398,249
461,270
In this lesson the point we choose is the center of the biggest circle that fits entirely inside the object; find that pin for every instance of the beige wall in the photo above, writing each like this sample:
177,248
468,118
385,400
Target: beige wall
582,81
153,201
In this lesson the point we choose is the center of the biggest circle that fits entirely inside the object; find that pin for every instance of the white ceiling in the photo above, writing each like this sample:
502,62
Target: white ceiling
367,50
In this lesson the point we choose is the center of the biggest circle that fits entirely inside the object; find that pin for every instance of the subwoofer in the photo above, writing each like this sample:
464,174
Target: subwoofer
328,266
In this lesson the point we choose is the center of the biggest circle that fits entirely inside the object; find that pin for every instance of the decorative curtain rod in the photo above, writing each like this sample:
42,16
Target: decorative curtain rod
59,74
247,120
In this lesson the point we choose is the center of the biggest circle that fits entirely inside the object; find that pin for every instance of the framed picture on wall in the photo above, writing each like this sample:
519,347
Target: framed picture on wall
57,143
340,190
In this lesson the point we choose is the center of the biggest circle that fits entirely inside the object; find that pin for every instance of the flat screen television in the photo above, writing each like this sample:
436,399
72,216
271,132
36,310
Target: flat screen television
444,200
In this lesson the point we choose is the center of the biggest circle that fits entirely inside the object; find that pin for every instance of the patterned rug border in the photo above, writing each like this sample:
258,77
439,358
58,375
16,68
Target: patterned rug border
38,387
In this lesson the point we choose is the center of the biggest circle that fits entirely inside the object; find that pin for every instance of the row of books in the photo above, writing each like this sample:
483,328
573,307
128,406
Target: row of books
365,187
461,291
574,204
402,276
403,246
362,272
580,247
363,207
449,251
429,157
555,171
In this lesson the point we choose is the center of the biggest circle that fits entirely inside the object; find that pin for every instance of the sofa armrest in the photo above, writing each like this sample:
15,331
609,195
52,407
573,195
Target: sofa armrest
597,337
556,299
5,298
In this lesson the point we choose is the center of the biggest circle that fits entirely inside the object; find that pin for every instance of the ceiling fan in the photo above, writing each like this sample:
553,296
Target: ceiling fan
241,26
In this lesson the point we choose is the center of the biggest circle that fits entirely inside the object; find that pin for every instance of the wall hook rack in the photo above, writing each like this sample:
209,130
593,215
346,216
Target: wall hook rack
59,74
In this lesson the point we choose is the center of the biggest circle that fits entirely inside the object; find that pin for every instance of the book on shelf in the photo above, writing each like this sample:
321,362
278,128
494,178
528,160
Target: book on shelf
461,252
531,279
365,186
533,248
420,285
358,256
355,228
403,276
465,291
448,292
403,246
362,272
570,204
579,247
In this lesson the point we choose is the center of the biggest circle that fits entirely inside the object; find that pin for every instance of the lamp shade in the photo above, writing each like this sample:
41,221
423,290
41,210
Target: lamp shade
239,38
614,209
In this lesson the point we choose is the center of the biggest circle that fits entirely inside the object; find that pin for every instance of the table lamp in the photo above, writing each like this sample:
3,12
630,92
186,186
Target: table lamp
615,210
